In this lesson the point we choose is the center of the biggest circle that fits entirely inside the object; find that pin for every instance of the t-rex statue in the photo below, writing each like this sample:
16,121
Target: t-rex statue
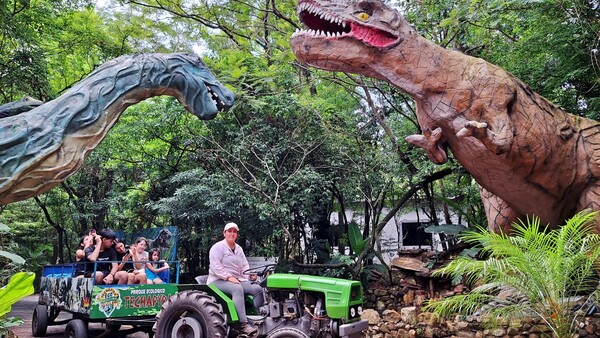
41,144
529,156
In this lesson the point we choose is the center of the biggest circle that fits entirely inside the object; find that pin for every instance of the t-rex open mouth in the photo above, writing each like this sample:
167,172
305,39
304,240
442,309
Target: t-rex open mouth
320,23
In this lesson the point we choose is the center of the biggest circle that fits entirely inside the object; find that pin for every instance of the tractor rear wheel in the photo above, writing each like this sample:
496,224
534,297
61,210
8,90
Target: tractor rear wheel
193,314
287,333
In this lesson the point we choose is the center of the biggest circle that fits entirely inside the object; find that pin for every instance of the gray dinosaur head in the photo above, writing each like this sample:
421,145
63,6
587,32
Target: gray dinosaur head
41,147
198,89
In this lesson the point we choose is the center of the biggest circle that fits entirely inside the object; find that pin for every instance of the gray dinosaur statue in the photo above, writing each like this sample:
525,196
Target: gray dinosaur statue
529,156
41,144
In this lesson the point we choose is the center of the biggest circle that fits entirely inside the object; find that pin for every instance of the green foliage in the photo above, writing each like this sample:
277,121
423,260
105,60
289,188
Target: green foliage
19,286
14,258
357,243
48,45
532,272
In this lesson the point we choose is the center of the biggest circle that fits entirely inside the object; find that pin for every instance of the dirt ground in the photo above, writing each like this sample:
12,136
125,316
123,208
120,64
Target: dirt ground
24,310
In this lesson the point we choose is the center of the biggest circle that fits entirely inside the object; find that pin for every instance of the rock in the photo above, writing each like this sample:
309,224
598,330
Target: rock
409,315
408,298
429,318
465,334
590,328
409,263
462,325
460,288
380,292
420,299
371,316
391,316
498,332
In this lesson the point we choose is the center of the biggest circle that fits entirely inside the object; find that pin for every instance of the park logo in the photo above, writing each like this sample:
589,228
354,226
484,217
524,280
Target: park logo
108,301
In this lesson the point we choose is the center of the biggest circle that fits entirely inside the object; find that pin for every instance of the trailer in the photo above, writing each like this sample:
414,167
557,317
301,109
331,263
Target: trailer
114,305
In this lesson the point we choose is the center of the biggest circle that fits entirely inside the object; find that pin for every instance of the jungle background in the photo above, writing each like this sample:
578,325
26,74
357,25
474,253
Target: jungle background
298,145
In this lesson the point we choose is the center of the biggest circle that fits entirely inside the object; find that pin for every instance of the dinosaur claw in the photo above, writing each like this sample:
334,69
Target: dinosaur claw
472,128
429,141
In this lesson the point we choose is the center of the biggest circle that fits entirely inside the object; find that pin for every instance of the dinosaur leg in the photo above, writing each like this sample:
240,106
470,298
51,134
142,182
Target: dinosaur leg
430,142
590,199
499,214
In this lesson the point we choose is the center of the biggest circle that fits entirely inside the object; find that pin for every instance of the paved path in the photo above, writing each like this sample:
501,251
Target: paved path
24,310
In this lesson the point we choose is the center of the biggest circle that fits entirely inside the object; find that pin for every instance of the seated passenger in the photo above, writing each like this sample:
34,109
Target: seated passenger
125,264
154,266
103,251
140,257
227,262
84,242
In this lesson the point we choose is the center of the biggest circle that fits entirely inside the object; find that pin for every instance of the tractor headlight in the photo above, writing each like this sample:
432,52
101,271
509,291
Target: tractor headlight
352,312
360,310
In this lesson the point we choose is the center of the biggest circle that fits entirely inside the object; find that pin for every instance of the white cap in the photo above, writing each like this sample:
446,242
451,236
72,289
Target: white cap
231,225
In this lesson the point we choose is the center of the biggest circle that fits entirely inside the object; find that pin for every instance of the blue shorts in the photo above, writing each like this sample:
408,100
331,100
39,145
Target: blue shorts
151,275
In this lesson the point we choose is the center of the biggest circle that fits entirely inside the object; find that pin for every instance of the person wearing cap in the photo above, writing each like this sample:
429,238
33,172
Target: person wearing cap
227,264
102,253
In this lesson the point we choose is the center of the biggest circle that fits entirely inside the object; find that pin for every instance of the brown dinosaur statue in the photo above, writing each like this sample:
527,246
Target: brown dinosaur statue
41,144
529,156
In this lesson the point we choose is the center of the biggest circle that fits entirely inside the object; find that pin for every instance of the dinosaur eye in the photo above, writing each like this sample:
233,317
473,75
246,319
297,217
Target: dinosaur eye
363,16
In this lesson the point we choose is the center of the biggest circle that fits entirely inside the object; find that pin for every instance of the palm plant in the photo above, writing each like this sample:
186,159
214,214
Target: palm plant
540,269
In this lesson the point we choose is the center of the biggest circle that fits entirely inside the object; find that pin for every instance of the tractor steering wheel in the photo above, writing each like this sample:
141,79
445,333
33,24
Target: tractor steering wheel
261,271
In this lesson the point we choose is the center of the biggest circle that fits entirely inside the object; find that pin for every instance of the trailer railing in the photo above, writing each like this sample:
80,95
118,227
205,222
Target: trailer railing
170,275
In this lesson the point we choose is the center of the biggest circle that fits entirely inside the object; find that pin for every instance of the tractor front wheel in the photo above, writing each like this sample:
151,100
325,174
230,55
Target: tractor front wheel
193,314
287,333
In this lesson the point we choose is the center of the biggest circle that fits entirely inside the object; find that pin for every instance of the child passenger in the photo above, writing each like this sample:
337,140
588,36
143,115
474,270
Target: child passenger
154,266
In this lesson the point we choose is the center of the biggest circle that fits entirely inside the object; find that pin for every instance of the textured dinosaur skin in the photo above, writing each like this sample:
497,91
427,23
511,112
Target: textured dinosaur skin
41,147
529,156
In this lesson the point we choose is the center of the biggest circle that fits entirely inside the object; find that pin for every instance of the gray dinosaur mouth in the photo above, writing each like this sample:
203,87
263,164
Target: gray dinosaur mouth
319,23
222,102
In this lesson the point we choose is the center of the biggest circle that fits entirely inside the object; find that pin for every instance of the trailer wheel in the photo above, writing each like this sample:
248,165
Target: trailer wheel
287,332
76,328
193,314
112,327
39,321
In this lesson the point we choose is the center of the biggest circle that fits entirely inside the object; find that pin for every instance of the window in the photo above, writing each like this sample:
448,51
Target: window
414,235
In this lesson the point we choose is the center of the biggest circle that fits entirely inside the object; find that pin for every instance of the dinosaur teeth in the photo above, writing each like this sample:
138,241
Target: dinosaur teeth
321,22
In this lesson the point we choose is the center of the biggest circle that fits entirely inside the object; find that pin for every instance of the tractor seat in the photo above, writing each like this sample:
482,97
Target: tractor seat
201,279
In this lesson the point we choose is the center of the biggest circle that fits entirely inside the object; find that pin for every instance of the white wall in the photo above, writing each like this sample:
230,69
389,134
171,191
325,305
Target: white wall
392,232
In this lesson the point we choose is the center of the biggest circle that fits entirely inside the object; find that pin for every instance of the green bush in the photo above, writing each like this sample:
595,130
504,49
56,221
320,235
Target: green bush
534,272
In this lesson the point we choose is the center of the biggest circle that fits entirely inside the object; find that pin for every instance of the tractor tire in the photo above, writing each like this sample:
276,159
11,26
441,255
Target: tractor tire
287,332
76,328
193,314
39,321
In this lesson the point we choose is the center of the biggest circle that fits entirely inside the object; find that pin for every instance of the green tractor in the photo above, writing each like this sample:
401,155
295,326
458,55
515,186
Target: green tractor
296,306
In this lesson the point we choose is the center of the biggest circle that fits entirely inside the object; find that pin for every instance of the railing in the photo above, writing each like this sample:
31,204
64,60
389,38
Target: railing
69,270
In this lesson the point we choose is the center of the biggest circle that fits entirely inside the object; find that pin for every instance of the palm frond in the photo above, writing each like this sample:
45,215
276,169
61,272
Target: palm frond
539,268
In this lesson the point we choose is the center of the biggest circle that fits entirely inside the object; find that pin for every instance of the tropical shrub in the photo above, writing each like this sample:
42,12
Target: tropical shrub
18,286
533,272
